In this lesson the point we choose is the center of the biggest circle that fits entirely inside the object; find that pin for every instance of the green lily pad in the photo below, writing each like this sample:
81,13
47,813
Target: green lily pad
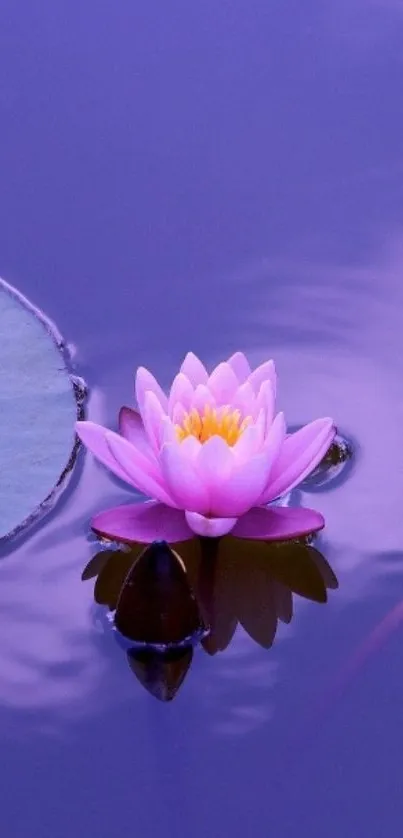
39,402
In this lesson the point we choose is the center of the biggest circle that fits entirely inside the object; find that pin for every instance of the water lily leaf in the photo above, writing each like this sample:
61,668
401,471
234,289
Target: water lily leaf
39,403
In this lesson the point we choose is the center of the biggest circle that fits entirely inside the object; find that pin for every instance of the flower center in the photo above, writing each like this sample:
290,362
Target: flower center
222,421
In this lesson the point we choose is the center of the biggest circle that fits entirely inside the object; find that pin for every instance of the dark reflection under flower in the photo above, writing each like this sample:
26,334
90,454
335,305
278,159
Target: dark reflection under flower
161,673
167,601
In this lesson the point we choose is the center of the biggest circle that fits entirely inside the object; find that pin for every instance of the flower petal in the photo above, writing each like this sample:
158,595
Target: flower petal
178,414
300,454
132,428
248,443
278,523
168,431
153,416
223,384
251,440
144,523
194,370
243,489
240,365
266,401
192,447
145,477
145,381
266,372
93,436
214,465
244,400
209,527
181,391
130,424
275,438
181,477
202,397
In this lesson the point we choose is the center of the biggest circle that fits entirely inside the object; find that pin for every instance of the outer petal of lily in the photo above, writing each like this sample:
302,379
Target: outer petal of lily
94,438
240,365
194,370
300,454
145,478
266,401
168,432
278,523
181,478
249,443
237,495
266,371
275,438
192,447
132,428
214,464
223,384
209,527
242,489
146,381
143,522
153,416
181,391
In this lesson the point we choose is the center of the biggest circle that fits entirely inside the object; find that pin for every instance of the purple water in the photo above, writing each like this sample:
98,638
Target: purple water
211,176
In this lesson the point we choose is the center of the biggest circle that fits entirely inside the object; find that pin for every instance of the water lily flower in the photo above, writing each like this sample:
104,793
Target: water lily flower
211,456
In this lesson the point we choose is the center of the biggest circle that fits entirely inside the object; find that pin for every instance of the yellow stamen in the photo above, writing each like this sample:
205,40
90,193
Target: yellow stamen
222,422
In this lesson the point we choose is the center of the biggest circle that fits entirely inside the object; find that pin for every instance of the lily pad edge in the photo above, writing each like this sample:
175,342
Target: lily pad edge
80,392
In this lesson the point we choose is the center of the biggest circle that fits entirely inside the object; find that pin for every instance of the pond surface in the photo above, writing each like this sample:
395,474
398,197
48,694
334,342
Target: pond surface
214,177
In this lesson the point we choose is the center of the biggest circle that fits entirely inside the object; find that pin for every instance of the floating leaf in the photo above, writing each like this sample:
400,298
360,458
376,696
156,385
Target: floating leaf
39,403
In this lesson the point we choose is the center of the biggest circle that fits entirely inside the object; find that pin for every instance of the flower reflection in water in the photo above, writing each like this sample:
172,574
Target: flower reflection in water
168,601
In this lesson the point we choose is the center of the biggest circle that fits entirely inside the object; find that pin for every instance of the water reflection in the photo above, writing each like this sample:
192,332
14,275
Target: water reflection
161,673
166,602
335,467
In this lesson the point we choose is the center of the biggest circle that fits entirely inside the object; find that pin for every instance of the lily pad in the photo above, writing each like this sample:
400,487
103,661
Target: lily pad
39,402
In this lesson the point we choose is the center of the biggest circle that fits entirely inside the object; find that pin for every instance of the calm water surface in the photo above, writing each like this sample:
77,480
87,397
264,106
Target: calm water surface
211,177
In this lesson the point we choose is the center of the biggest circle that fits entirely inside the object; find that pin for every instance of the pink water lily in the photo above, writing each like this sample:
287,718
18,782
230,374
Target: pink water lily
211,456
